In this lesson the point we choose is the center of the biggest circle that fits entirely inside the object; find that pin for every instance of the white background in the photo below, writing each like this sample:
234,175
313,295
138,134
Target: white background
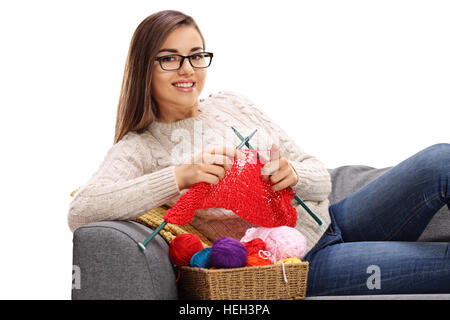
352,82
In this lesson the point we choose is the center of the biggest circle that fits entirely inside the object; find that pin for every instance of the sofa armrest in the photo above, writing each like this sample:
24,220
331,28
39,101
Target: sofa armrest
110,264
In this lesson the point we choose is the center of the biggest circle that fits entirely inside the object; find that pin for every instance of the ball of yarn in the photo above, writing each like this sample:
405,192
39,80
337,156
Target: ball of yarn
283,242
253,246
290,260
183,247
201,259
256,260
227,252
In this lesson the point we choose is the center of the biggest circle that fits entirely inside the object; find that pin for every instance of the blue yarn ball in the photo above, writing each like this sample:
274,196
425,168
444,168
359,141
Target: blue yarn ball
227,252
201,259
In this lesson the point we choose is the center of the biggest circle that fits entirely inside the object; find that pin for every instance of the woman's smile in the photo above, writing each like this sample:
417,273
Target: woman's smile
184,85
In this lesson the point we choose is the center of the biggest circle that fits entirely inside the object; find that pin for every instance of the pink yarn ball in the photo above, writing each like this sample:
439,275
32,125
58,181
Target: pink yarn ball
283,242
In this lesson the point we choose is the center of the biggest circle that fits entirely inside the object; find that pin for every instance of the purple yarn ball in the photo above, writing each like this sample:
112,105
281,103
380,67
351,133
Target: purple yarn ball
227,252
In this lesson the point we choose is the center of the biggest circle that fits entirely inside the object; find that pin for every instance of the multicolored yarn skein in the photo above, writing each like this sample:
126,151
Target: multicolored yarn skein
283,242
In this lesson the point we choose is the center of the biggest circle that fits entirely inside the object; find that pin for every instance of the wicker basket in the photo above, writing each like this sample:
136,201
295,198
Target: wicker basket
272,282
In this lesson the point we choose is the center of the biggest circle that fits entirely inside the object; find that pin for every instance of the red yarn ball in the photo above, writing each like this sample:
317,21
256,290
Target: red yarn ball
253,246
183,247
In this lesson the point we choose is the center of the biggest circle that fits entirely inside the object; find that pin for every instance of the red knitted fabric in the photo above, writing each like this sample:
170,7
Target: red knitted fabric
243,191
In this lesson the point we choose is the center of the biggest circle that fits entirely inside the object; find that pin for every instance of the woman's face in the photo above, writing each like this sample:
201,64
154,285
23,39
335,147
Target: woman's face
176,103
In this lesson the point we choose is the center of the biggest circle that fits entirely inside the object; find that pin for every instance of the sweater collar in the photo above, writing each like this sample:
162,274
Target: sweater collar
188,123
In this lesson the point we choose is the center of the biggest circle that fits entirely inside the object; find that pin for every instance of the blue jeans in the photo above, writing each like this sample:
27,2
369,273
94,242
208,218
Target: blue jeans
370,246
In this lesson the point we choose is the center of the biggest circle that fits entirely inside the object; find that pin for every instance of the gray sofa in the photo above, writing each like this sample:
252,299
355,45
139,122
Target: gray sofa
109,265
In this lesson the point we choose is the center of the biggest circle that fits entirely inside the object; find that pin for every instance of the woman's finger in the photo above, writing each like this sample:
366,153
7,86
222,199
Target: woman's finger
231,152
275,152
280,175
215,170
284,178
273,167
209,178
219,159
284,183
269,169
280,185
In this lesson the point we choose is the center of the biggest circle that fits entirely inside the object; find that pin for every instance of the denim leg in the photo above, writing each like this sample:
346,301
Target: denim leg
380,267
400,203
365,249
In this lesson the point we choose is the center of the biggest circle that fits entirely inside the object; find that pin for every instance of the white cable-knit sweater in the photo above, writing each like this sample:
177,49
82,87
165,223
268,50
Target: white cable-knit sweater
138,172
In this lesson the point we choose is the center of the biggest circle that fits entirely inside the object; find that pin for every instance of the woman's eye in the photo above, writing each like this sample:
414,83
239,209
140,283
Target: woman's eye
168,59
197,56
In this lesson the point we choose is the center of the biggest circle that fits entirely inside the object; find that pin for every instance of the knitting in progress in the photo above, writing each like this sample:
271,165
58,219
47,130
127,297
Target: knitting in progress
138,173
243,191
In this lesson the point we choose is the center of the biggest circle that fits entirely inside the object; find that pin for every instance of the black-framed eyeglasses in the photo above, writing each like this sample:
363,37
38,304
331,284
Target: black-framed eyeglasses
173,62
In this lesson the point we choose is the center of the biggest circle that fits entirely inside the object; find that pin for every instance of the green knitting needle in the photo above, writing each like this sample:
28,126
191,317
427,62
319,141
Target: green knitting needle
245,141
296,197
151,236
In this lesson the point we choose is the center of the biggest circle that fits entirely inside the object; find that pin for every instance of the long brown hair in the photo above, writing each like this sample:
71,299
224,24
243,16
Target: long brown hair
137,109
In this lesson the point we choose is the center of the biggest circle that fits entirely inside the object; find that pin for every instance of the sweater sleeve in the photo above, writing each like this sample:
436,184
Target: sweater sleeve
314,181
120,190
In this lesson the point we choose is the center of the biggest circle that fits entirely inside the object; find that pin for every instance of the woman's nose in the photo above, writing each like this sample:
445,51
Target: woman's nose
186,67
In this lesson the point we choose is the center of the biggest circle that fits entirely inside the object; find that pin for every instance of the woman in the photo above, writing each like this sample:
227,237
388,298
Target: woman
167,139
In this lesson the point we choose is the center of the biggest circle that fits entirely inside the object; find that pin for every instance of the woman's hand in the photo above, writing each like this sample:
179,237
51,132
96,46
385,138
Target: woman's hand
208,166
279,170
